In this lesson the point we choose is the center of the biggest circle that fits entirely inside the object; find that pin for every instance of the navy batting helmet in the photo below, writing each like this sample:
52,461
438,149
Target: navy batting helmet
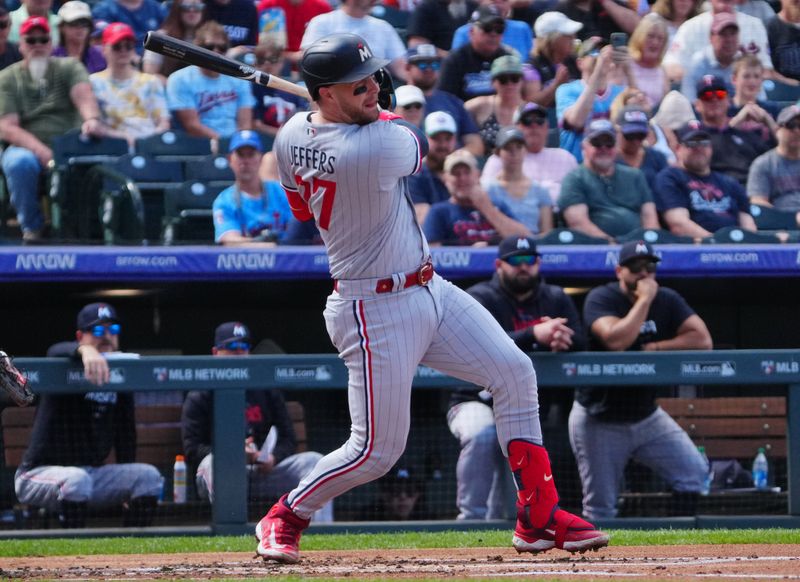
337,58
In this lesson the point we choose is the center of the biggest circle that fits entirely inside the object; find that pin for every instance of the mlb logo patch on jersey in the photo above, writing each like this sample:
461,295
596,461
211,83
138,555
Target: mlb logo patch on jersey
311,132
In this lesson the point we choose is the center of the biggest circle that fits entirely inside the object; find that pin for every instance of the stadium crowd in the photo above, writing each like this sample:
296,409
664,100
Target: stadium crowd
520,85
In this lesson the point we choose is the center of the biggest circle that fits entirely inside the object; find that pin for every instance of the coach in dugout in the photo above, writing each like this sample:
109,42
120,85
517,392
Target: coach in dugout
610,426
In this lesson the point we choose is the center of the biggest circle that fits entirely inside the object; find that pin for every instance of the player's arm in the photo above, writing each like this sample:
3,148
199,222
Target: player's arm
693,334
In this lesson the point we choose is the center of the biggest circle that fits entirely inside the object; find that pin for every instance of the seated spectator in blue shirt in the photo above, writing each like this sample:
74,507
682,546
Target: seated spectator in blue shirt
518,35
141,15
469,217
694,200
633,125
427,187
250,212
206,103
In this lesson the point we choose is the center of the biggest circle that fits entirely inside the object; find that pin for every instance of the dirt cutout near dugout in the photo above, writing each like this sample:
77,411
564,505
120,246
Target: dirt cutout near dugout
722,562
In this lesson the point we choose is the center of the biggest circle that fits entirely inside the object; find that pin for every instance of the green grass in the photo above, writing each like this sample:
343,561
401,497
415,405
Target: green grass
409,540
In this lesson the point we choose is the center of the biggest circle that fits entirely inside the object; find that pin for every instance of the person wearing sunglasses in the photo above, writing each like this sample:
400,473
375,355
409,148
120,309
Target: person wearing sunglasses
734,149
182,21
9,52
602,198
633,128
410,104
693,199
273,463
553,57
272,107
206,103
44,97
141,15
610,426
75,27
773,178
515,34
134,104
538,317
64,468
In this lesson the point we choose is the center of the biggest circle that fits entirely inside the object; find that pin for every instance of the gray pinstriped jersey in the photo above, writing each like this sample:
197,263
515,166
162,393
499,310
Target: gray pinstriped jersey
353,178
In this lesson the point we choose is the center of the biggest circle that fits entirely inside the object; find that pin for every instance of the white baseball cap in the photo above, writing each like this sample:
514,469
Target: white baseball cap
408,94
75,10
555,23
440,121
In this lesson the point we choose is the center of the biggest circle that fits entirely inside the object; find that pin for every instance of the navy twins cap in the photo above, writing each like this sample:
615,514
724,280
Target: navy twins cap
636,249
96,313
231,331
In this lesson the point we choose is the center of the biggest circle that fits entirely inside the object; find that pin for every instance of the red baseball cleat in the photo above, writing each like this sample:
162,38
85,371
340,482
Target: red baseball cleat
279,532
565,531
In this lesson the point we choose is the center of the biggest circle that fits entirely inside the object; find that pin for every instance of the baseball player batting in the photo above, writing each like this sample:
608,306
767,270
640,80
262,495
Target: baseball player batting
345,166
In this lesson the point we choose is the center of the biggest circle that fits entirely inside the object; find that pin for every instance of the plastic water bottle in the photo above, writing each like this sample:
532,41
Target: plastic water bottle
760,470
709,474
179,480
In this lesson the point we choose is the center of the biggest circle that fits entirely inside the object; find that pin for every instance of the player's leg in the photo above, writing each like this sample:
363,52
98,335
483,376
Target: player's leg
65,490
284,477
472,423
204,479
471,345
137,485
601,452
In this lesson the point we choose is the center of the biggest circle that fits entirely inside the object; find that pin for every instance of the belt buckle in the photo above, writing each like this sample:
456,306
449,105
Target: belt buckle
425,274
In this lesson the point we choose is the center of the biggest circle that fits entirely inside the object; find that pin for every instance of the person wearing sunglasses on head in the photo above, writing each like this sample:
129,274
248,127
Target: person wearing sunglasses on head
602,198
141,15
182,21
134,104
733,148
273,463
610,426
9,51
206,103
43,97
65,468
693,199
538,317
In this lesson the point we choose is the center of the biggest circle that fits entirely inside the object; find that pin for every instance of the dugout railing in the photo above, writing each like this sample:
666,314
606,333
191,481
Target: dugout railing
228,378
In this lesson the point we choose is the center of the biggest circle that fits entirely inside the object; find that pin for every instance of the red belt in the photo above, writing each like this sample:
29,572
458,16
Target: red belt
421,277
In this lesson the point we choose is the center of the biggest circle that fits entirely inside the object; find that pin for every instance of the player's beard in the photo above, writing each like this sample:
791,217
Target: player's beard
37,67
521,283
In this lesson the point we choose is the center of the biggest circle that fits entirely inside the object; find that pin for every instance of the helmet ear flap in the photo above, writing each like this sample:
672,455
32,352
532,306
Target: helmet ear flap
386,98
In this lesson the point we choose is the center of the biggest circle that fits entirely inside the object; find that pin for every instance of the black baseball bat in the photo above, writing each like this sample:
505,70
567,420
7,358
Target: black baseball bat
194,55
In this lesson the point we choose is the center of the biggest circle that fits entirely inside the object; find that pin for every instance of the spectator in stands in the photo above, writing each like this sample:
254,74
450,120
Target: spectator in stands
9,52
41,97
400,493
238,17
784,40
717,57
529,201
748,77
581,101
466,71
602,198
547,166
206,103
141,15
659,137
182,21
539,318
692,37
427,187
30,8
289,17
675,13
422,70
734,148
553,60
469,216
491,112
273,465
410,104
610,426
133,104
633,127
517,34
74,27
694,200
354,16
647,47
434,22
774,178
250,212
272,108
600,17
65,468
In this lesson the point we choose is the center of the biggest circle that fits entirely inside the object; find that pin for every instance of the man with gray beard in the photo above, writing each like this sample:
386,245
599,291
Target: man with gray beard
41,97
539,317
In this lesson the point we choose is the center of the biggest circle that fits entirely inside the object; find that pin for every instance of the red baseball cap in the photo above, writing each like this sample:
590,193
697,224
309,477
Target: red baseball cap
117,31
34,22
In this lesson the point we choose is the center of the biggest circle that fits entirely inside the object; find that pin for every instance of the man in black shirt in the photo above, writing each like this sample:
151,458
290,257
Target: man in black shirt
610,426
64,467
538,317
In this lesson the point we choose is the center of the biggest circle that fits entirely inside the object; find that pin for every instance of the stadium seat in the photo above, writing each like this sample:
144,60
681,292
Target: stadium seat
187,212
173,145
777,91
768,218
212,168
654,236
734,234
565,236
397,18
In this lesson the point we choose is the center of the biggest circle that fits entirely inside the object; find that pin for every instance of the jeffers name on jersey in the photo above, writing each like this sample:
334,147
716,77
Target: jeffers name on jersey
312,158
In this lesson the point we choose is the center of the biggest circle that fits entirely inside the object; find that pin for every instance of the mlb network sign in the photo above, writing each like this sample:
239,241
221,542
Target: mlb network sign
770,367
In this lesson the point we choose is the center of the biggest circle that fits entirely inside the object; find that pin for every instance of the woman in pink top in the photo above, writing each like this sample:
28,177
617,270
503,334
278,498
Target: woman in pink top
647,47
